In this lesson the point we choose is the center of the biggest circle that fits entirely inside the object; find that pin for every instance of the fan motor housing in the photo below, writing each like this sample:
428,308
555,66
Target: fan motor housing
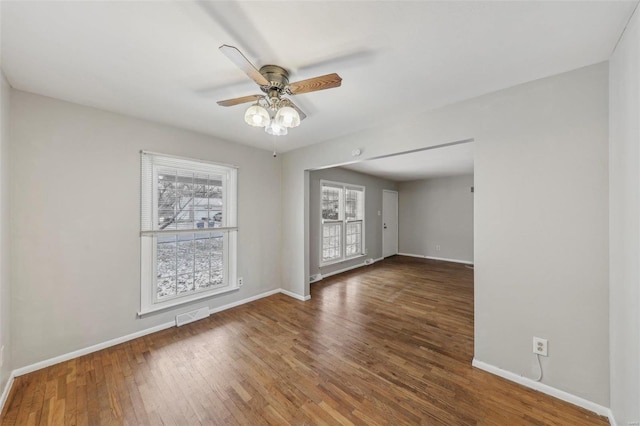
277,77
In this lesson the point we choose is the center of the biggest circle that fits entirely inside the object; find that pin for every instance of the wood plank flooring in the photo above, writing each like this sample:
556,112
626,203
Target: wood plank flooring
390,343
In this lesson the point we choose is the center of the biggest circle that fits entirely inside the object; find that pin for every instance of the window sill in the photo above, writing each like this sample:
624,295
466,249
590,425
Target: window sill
335,262
184,301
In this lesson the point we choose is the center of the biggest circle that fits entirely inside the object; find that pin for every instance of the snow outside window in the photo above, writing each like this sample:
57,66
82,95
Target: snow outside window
189,230
342,226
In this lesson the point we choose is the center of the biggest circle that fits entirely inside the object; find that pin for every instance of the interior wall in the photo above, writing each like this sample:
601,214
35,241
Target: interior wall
624,205
373,222
76,223
436,218
541,219
5,261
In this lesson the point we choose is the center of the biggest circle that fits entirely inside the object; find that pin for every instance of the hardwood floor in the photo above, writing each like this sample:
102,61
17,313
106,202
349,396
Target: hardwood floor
387,344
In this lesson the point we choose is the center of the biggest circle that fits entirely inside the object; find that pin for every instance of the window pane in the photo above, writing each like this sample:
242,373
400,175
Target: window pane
216,276
331,241
331,202
187,263
166,219
209,267
354,204
186,255
167,265
166,287
354,239
214,198
189,200
166,198
166,256
201,203
202,250
184,200
185,283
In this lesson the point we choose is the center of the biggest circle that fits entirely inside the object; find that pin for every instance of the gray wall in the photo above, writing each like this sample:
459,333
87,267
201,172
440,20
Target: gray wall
437,212
5,260
373,222
76,220
541,232
540,219
624,204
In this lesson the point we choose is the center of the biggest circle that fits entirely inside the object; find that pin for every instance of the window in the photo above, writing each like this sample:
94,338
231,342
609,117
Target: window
342,224
189,230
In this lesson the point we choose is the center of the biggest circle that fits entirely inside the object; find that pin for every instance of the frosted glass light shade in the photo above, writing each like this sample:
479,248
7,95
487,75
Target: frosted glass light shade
275,129
256,116
288,117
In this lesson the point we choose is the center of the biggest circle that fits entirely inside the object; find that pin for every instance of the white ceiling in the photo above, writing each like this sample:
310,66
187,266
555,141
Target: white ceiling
451,160
159,60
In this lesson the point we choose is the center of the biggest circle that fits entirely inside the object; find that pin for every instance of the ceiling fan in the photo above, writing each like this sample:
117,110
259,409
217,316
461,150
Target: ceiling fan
272,110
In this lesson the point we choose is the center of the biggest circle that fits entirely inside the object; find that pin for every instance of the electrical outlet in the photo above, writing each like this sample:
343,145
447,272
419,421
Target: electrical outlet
438,247
240,282
540,346
1,355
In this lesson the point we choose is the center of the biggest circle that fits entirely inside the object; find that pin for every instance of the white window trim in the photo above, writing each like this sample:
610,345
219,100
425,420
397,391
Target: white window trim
149,231
343,258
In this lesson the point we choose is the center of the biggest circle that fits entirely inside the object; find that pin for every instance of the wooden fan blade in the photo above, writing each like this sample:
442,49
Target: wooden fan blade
300,113
242,100
328,81
243,63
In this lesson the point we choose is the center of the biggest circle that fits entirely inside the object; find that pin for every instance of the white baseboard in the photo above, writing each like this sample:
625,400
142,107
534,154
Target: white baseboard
7,389
93,348
84,351
294,295
243,301
349,268
549,390
444,259
339,271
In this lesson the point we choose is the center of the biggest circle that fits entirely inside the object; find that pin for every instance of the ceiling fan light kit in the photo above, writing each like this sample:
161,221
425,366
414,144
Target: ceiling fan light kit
275,129
257,116
287,117
272,110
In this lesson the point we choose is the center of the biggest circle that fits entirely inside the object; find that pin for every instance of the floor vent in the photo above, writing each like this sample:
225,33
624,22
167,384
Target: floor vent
192,316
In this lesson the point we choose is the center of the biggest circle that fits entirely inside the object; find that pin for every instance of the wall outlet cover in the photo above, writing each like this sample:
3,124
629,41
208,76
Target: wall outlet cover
540,346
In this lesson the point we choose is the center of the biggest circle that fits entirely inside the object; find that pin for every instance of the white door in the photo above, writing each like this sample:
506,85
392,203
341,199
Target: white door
389,223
